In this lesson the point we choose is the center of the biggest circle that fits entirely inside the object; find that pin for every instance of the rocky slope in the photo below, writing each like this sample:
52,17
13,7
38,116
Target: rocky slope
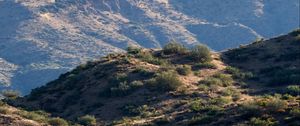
41,39
256,84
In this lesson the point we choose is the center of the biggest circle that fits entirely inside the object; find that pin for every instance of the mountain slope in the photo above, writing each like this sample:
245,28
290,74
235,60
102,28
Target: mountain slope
53,36
177,86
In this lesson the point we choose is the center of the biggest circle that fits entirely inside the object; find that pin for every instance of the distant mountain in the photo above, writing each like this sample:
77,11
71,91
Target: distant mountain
255,84
41,39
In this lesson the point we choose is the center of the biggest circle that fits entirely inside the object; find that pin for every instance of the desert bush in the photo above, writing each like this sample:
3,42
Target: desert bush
220,101
10,94
147,56
133,50
211,81
58,122
184,69
206,65
133,110
32,116
136,84
165,81
225,79
201,120
143,72
202,87
125,88
293,89
229,92
4,110
275,105
269,105
237,74
87,120
295,112
263,122
201,53
174,48
196,105
231,70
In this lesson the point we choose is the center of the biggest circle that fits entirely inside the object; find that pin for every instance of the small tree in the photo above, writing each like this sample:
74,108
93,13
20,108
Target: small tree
201,53
87,120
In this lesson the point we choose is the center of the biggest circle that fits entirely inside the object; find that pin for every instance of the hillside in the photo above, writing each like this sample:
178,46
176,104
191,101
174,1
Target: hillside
11,116
50,37
255,84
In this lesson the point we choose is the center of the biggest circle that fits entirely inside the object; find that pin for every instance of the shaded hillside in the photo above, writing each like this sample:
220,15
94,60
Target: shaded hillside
39,37
274,62
179,86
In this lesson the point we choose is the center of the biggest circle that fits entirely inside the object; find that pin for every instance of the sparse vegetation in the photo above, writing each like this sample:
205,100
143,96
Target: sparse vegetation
156,87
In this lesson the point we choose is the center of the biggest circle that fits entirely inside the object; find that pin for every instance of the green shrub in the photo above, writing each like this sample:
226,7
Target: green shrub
269,105
220,101
229,92
147,56
232,70
184,70
133,50
201,120
4,110
201,53
206,65
133,110
237,74
211,81
263,122
32,116
136,84
225,79
143,72
87,120
165,81
174,48
293,89
275,105
58,122
10,94
121,90
196,105
295,112
202,87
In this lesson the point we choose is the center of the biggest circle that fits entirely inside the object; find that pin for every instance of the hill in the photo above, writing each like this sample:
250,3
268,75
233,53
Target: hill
255,84
51,37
